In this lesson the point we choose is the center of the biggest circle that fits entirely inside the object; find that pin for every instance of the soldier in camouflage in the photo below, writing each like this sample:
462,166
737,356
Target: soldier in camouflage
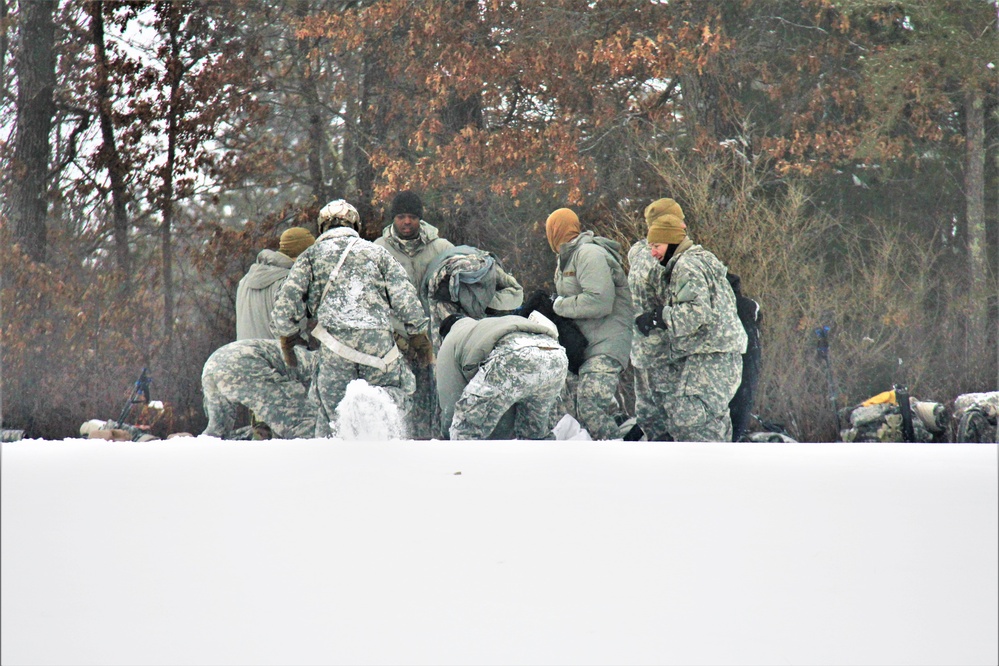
468,281
498,378
253,373
648,292
696,366
593,291
351,287
415,244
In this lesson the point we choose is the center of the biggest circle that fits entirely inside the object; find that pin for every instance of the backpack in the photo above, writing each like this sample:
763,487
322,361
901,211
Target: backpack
741,406
569,335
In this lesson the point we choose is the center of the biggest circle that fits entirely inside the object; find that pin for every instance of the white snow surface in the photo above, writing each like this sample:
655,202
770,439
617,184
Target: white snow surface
202,551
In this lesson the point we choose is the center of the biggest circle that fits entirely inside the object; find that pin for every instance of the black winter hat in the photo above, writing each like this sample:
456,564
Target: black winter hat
406,202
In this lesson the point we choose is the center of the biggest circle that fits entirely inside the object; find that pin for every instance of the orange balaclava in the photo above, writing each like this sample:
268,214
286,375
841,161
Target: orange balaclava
561,227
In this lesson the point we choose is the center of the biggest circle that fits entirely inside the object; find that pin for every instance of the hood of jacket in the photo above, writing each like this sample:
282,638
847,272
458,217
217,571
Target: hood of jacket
428,234
271,266
568,249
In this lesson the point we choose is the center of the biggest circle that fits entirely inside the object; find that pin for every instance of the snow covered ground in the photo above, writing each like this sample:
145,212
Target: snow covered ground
198,551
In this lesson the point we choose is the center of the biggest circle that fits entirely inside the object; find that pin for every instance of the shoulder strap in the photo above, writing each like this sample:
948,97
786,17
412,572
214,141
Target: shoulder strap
339,264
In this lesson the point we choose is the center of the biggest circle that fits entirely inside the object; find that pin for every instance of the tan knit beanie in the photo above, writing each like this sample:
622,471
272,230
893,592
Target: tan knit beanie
664,218
295,241
561,227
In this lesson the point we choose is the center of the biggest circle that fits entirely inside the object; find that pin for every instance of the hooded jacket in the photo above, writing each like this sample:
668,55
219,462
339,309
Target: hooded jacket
256,293
700,310
593,290
415,255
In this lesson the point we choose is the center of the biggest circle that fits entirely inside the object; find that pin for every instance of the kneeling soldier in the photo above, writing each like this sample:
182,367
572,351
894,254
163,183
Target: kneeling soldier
253,373
499,377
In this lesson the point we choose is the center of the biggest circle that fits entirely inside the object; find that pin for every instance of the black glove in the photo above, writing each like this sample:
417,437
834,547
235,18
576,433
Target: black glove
650,320
288,349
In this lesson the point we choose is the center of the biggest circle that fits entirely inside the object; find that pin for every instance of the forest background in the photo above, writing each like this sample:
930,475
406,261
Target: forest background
840,156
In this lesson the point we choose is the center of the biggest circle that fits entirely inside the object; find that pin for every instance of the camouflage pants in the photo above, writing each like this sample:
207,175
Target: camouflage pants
524,381
592,397
276,399
693,396
646,409
424,414
333,373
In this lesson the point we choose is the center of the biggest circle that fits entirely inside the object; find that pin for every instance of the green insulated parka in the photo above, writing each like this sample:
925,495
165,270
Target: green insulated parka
593,290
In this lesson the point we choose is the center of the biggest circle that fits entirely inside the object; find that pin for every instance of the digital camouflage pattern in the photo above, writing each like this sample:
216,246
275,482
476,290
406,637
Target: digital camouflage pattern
469,281
591,397
334,372
357,309
700,310
693,395
695,368
253,373
648,292
520,380
416,255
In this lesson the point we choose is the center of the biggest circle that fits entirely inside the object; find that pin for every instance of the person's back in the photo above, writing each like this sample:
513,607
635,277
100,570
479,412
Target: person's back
258,289
353,289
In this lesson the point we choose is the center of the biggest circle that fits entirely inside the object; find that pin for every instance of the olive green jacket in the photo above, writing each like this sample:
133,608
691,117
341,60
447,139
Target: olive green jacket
593,291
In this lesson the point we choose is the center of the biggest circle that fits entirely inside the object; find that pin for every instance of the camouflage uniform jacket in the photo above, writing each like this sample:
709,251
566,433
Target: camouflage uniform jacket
700,312
648,291
370,287
256,293
469,344
593,290
415,255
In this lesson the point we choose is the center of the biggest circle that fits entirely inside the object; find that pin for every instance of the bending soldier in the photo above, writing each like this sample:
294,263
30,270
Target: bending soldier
499,377
253,373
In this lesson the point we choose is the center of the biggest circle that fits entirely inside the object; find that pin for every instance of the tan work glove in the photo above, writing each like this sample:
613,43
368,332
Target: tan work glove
288,349
421,350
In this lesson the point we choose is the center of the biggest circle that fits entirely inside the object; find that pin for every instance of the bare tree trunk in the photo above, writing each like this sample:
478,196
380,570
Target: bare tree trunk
4,43
974,186
320,158
174,73
109,150
35,68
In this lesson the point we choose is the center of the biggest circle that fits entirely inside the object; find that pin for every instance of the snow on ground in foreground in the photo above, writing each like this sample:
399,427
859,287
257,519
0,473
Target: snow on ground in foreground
199,551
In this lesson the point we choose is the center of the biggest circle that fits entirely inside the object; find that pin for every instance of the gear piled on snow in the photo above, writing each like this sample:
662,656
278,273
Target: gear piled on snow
975,417
881,419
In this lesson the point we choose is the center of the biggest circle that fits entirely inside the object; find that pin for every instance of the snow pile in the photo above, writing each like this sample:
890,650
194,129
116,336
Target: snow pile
367,413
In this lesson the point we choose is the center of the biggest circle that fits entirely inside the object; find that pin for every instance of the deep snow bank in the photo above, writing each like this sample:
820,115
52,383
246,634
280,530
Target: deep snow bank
200,551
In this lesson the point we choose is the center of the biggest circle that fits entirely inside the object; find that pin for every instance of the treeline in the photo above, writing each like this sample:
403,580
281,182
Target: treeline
842,157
